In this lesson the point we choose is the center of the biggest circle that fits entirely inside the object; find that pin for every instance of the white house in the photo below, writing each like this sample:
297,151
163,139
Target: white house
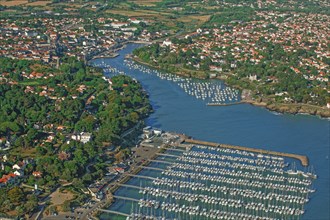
19,173
167,42
83,137
16,166
119,24
215,68
252,77
157,132
134,20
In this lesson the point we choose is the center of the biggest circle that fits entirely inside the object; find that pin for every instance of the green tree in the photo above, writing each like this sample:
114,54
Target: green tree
16,195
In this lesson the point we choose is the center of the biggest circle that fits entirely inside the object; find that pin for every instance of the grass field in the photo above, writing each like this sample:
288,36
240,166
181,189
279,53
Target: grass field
31,83
128,13
58,197
38,3
139,13
199,18
24,153
146,2
13,3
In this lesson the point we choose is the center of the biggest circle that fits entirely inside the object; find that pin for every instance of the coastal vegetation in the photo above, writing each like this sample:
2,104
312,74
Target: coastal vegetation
45,113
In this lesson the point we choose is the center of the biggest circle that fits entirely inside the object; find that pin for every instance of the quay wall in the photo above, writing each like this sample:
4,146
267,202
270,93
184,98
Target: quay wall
134,171
302,158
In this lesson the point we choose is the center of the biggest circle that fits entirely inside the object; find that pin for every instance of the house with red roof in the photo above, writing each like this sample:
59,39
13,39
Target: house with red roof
37,174
7,179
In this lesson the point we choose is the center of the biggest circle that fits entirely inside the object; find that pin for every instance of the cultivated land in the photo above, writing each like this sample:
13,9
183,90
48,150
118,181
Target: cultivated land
146,2
38,3
13,3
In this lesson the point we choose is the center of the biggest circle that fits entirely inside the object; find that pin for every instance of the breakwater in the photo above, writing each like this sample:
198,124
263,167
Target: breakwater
303,159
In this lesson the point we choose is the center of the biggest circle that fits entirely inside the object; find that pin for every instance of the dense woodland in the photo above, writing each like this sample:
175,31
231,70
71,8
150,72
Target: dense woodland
28,119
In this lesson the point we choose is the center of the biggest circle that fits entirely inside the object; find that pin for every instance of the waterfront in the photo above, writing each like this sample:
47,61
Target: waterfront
202,182
243,125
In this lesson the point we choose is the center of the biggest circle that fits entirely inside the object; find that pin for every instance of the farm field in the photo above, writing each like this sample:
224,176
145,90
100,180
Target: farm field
13,3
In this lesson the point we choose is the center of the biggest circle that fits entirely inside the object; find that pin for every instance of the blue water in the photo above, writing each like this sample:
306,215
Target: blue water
243,125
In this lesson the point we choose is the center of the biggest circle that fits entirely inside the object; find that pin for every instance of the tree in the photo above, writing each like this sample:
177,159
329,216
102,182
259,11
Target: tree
87,178
79,156
119,156
16,195
66,206
32,203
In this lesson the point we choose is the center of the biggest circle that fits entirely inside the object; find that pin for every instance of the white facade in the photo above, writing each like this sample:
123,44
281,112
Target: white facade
82,137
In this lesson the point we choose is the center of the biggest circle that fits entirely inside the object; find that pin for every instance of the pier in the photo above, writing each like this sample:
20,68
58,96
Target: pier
175,149
224,104
113,212
109,55
151,168
211,181
167,155
125,198
130,186
303,159
141,176
161,161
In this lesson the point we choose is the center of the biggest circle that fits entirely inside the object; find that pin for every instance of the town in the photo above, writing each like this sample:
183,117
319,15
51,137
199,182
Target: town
70,136
58,36
290,45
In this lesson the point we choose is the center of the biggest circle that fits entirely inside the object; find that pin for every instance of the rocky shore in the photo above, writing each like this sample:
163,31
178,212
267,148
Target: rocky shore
292,108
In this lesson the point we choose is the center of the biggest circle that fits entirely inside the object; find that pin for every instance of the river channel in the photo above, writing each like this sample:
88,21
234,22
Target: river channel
245,125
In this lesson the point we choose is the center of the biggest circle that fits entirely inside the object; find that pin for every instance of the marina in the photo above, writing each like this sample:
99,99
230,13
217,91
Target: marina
195,181
239,125
213,92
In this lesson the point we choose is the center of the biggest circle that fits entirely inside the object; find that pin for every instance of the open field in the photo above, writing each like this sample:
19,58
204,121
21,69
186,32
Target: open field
13,3
128,13
38,3
146,2
199,18
24,153
58,198
139,13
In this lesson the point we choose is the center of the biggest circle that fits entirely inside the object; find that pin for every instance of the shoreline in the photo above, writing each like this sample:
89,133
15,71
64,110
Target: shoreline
294,108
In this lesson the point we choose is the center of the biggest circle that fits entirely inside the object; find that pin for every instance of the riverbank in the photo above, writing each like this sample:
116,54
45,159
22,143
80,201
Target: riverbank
136,59
291,108
105,56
